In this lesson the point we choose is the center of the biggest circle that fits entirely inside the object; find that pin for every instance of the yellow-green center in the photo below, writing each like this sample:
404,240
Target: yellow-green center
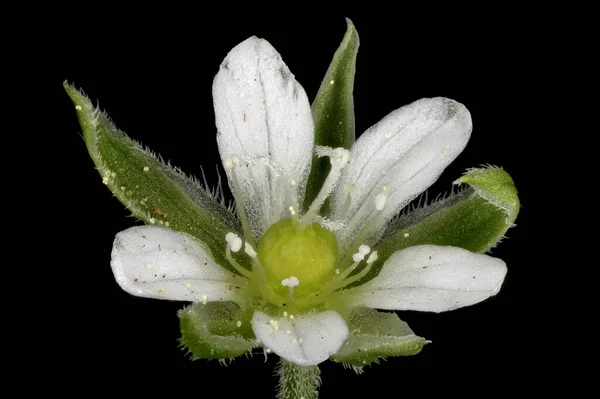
308,253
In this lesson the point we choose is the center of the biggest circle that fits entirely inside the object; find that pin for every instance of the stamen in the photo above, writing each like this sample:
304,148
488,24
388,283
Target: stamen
249,250
286,190
234,243
350,190
341,280
372,258
346,273
363,250
265,288
338,157
230,163
380,202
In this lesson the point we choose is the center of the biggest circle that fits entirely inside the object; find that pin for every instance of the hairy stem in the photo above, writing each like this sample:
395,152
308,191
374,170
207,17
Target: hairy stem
297,382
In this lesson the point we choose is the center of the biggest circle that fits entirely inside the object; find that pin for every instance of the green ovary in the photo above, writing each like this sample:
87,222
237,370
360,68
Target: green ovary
308,253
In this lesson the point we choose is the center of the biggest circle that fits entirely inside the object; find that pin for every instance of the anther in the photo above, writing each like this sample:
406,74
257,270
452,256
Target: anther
249,250
363,250
350,189
372,258
235,242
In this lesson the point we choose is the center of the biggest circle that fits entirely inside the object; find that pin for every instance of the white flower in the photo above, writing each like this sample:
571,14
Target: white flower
299,259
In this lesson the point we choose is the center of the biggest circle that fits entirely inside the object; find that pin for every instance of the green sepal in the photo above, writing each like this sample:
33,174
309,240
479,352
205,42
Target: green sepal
475,218
497,187
375,335
333,110
155,192
216,330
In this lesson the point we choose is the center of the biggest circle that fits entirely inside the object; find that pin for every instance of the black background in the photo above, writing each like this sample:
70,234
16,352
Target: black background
152,72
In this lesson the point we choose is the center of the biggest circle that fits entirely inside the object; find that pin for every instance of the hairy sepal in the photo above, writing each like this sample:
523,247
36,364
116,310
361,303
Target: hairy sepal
154,191
375,335
216,330
475,218
333,109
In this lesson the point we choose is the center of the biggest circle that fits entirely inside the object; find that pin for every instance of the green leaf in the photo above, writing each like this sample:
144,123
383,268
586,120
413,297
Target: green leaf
297,382
153,191
374,335
333,110
217,330
475,218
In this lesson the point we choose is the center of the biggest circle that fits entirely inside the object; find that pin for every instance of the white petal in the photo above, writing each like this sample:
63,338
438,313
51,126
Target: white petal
262,113
431,278
306,340
159,263
405,152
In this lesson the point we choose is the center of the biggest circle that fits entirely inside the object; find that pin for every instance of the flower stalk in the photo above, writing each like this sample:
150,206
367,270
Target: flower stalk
297,382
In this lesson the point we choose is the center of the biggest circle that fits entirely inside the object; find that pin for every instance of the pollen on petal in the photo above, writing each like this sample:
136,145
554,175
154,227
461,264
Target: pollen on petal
380,201
231,161
350,189
274,324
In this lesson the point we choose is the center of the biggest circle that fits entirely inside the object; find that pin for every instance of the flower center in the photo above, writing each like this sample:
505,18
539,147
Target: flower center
298,259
